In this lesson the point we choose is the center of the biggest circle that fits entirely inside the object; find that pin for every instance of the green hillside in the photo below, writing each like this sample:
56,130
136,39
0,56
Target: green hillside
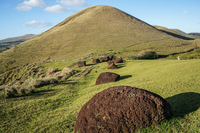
54,108
175,32
8,43
91,32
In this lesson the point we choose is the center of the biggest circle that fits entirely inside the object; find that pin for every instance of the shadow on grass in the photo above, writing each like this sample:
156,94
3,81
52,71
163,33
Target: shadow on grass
184,103
120,65
90,64
124,77
177,35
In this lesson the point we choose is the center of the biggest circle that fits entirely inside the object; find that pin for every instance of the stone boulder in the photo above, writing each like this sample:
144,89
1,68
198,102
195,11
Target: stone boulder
110,57
122,109
107,77
110,62
81,63
95,61
112,66
118,60
104,59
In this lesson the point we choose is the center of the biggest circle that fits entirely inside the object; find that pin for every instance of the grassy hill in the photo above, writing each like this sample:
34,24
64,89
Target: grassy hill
54,108
175,32
8,43
91,32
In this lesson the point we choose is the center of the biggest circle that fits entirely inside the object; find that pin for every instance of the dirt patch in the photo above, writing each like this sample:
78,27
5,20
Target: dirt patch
84,72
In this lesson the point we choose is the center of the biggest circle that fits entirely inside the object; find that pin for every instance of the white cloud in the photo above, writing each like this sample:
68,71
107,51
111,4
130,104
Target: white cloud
57,9
36,24
34,3
77,3
22,7
185,12
28,4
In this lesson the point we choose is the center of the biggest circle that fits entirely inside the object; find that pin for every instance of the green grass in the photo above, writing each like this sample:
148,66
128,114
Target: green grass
188,55
54,108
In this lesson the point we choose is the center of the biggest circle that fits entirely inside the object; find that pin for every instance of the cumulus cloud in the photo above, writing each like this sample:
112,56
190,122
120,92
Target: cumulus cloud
57,9
36,24
77,3
28,4
22,7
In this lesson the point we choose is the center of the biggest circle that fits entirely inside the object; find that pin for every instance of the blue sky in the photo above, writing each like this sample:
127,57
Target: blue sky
19,17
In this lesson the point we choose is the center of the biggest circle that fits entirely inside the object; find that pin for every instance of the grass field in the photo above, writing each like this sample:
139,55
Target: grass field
54,108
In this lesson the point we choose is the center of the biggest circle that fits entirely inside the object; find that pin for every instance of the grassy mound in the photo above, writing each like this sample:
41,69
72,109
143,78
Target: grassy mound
54,108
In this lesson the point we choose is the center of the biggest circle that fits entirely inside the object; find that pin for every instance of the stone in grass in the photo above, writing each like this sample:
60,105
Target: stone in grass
107,77
81,63
110,57
110,62
112,66
95,61
104,59
122,109
118,60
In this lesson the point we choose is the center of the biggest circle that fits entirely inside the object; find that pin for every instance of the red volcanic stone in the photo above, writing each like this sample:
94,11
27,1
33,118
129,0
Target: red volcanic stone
103,59
81,63
122,109
112,66
110,57
110,62
95,61
118,60
107,77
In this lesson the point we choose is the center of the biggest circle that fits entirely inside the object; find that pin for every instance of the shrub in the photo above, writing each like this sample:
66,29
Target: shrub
14,91
35,83
147,54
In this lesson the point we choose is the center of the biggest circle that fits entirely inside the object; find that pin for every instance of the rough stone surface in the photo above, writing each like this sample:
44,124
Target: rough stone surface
121,109
95,61
107,77
110,57
110,62
104,59
118,60
112,66
81,63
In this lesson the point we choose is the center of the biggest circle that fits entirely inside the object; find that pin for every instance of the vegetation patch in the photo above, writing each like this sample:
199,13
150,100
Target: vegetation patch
54,107
144,54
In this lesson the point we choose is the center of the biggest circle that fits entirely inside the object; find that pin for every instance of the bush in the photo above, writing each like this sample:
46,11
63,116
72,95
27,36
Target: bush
144,54
14,91
41,82
147,54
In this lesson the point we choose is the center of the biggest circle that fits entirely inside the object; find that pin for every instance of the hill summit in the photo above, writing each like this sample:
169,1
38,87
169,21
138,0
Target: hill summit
97,29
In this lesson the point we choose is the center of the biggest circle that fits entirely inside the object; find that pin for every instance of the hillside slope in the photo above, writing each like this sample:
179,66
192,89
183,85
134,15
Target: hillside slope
18,38
8,43
97,29
175,32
